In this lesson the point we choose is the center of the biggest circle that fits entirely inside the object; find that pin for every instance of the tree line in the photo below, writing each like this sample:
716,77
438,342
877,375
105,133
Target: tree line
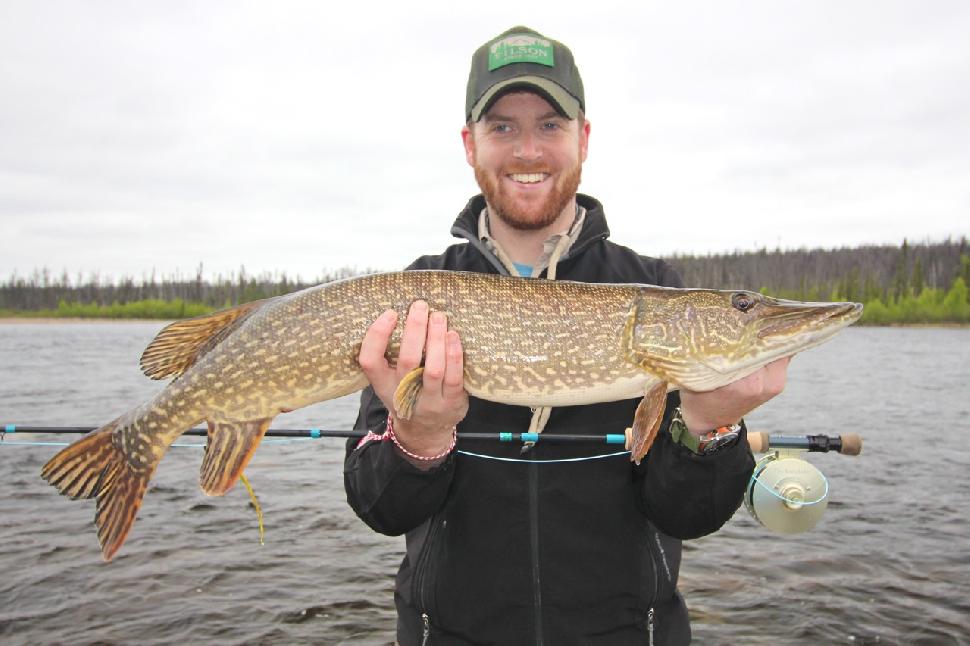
905,283
43,292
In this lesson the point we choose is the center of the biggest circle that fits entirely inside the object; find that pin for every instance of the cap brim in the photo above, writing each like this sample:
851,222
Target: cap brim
564,102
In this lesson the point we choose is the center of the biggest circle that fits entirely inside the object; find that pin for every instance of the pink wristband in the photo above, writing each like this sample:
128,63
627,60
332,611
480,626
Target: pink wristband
451,446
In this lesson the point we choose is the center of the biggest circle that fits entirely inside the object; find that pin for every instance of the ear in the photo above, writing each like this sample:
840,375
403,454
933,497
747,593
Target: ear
468,139
584,140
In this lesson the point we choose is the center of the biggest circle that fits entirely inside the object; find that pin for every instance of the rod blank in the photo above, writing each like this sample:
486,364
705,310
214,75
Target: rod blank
318,433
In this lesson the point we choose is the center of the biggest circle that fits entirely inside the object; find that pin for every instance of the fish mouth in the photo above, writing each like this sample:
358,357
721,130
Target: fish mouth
798,326
793,320
787,328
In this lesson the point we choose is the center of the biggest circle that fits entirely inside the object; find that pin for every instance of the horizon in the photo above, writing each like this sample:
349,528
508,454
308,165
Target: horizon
81,278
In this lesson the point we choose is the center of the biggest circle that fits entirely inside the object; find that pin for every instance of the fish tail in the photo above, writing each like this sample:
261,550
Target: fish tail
93,467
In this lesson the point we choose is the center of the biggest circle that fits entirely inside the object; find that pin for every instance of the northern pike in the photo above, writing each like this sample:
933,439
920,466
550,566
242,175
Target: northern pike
526,342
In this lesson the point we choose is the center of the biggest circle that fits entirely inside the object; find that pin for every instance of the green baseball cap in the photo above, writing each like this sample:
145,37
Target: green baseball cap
522,58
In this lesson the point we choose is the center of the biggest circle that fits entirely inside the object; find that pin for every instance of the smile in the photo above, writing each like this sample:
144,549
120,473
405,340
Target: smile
528,178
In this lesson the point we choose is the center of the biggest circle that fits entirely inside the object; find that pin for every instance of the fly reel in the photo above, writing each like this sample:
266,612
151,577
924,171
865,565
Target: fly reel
788,494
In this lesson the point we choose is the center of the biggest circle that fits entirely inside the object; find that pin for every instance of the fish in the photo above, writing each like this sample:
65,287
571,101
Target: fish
529,342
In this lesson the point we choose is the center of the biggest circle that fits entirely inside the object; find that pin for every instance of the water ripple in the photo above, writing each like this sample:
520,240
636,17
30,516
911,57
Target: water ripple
888,564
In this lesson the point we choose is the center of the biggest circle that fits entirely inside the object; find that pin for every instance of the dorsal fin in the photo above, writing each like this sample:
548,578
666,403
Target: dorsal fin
179,345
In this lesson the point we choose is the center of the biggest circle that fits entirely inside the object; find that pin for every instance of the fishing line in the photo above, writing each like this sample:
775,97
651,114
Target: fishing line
500,459
801,503
259,510
26,443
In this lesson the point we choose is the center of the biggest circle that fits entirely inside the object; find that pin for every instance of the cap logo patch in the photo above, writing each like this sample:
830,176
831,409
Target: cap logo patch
519,48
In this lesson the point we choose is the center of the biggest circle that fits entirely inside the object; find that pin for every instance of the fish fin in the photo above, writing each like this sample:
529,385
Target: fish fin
230,446
93,467
647,420
179,345
406,395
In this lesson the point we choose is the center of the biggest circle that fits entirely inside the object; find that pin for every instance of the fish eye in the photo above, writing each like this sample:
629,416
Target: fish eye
742,302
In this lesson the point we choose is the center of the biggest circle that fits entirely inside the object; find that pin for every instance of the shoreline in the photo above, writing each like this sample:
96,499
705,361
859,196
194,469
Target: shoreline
49,320
77,320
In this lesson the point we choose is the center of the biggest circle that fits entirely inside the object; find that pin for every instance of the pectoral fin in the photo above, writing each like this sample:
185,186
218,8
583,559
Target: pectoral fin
231,445
406,395
181,344
647,420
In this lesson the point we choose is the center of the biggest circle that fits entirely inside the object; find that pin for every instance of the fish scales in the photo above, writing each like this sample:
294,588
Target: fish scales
513,341
528,342
514,348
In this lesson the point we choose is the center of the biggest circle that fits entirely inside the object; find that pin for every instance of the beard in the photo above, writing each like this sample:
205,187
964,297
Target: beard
531,216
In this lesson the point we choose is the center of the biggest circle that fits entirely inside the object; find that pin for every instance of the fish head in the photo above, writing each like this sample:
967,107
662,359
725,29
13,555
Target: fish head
703,339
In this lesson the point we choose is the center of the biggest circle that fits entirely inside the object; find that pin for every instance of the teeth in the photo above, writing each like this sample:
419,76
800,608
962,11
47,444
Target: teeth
528,178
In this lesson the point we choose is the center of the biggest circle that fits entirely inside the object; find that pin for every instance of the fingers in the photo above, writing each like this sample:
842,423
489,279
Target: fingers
413,339
371,357
729,403
775,377
425,337
454,382
434,360
443,367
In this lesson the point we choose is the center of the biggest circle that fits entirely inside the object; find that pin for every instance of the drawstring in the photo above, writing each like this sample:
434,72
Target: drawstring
540,416
555,255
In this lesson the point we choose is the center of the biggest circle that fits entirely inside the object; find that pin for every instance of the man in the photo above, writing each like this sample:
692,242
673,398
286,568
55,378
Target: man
527,549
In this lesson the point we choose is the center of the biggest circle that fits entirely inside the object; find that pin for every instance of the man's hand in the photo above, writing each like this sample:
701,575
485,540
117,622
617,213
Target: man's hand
442,402
726,405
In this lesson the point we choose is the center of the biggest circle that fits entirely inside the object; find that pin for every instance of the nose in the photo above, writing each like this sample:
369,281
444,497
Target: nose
527,146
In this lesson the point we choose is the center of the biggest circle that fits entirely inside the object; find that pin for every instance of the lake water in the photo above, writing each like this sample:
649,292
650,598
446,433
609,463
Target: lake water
889,562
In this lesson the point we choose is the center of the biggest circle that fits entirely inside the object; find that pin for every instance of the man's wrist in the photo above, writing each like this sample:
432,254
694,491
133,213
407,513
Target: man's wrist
421,456
706,442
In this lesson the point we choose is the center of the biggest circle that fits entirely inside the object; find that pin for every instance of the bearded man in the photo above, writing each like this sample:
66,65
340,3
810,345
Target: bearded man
510,546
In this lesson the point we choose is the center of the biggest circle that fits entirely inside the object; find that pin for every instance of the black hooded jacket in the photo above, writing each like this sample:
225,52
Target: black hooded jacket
538,552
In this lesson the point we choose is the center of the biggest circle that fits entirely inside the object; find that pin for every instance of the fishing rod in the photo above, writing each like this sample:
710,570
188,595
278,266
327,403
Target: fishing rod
785,494
848,444
315,433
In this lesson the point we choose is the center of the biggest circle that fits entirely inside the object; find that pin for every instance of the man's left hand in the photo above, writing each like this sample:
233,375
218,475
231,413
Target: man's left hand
726,405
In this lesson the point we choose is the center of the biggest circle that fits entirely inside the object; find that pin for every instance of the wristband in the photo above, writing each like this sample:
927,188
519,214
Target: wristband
709,442
715,440
423,458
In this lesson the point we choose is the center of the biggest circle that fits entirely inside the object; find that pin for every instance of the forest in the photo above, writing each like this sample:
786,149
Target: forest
908,283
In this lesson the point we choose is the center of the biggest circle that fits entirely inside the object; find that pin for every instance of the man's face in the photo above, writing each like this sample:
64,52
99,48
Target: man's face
527,158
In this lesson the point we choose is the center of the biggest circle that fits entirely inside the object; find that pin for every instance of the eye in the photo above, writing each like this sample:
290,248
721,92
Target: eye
742,301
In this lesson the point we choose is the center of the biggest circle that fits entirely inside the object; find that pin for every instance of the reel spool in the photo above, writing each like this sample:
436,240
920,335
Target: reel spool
788,494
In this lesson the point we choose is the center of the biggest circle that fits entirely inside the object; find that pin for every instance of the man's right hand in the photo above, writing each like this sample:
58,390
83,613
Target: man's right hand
442,402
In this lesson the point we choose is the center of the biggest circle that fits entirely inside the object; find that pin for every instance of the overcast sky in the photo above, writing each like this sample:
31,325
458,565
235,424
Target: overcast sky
305,136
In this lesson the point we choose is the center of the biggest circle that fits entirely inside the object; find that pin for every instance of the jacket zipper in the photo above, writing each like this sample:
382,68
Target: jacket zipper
534,540
426,630
656,588
419,579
